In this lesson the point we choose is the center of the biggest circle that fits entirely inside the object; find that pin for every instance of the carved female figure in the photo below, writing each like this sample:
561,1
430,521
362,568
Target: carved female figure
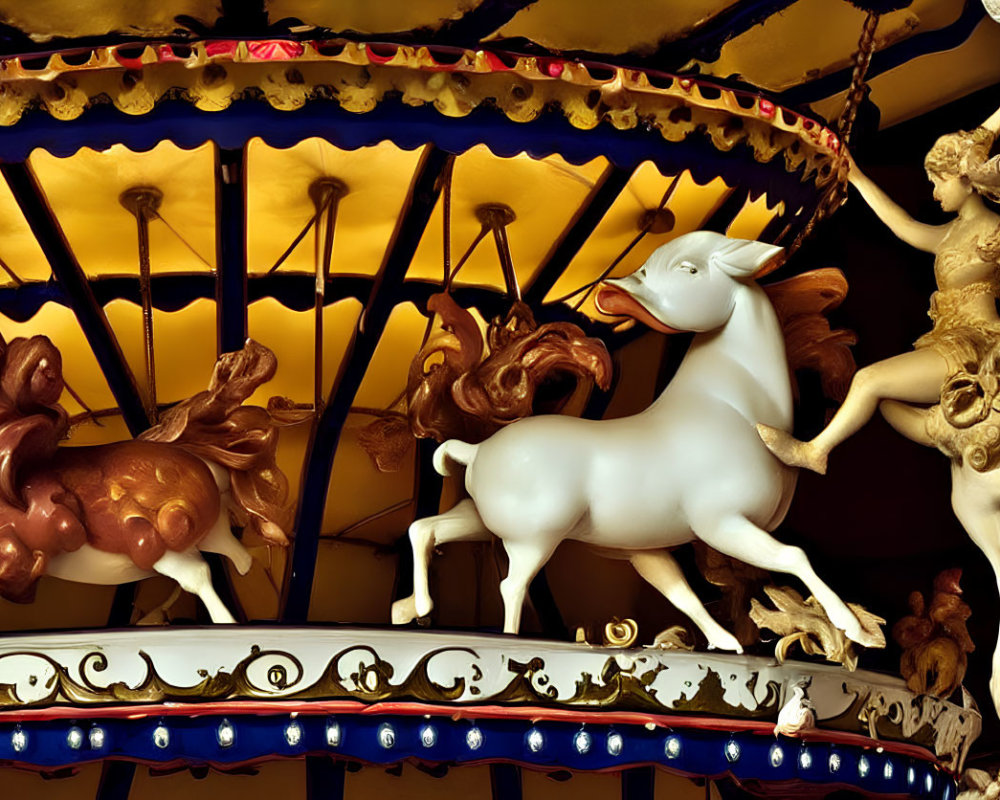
946,392
966,323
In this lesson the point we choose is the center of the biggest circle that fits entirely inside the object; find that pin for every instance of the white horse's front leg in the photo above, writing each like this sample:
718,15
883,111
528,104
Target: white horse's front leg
738,537
191,571
661,570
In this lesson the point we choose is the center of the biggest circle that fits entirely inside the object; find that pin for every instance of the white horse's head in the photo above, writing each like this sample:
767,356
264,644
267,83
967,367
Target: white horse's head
689,284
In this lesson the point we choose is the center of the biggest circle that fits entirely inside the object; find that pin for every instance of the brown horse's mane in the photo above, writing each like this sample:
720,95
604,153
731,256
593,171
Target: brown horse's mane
216,426
801,303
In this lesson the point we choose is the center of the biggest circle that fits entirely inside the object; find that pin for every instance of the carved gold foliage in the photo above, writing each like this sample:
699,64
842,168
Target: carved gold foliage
617,633
621,632
934,638
356,672
965,425
676,637
804,622
456,389
801,303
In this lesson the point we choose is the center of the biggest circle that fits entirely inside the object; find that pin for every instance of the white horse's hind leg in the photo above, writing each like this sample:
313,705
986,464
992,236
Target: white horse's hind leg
192,573
741,539
526,558
661,570
220,540
460,524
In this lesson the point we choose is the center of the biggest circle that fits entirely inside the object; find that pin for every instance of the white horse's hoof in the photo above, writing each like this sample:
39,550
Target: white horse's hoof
423,606
242,562
404,611
725,641
859,635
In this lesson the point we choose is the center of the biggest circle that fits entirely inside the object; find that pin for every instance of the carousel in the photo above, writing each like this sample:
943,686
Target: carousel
500,399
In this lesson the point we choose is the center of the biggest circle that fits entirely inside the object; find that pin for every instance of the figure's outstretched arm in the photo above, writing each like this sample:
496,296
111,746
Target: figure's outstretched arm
993,123
918,234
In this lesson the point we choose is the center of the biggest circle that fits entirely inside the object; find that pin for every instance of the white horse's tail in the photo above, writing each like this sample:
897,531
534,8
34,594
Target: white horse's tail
454,450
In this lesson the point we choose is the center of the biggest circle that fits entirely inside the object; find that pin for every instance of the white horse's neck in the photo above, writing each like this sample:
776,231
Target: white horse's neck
742,363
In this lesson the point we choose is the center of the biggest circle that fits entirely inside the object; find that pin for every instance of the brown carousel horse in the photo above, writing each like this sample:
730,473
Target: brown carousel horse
121,512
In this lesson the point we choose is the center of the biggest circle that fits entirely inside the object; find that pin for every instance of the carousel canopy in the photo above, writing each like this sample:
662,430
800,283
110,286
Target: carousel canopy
180,177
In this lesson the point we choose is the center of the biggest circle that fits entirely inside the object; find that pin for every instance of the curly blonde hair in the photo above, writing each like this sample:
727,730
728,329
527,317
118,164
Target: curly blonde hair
966,154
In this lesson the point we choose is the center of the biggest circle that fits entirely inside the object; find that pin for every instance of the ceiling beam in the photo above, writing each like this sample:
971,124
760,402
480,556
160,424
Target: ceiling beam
423,196
66,269
705,42
722,217
607,189
78,295
230,248
475,25
936,41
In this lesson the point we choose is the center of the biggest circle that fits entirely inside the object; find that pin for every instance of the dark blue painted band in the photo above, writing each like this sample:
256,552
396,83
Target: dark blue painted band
377,739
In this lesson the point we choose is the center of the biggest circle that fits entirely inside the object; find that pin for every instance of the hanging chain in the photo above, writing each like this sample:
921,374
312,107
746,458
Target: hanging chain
862,60
837,192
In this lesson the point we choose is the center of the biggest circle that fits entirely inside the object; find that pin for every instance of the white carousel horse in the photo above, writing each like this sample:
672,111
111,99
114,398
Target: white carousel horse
691,466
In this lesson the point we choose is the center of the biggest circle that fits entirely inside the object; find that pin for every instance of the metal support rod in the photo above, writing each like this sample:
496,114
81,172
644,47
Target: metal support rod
66,269
142,202
507,263
324,778
495,217
326,194
423,195
116,780
505,782
638,783
611,184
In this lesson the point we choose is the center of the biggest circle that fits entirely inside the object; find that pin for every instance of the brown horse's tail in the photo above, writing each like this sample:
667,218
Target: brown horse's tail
216,426
801,303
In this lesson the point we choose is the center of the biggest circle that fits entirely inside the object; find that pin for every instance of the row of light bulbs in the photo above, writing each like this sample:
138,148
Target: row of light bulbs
226,736
535,742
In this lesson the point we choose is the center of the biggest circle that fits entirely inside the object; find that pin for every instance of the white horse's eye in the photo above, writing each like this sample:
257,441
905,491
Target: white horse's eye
687,266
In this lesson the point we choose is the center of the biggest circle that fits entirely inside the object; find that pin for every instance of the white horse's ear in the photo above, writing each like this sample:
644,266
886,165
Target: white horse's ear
741,258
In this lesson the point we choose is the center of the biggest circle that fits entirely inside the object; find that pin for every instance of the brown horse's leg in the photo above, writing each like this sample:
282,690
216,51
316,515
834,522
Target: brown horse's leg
220,540
192,573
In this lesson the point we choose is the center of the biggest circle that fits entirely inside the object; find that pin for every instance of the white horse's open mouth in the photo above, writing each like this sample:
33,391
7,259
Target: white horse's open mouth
616,302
